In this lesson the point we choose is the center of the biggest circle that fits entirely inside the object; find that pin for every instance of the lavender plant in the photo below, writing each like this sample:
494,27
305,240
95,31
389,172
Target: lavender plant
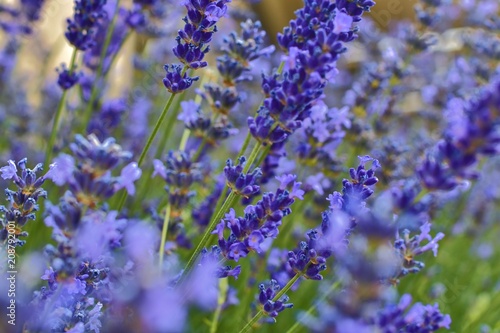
197,178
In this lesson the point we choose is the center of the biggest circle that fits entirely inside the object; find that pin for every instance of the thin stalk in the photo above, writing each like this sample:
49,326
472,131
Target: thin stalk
253,156
263,155
187,132
164,232
59,111
144,185
229,201
259,314
155,129
200,149
172,119
223,287
168,129
220,213
311,309
148,144
245,144
286,230
420,196
87,114
184,139
206,235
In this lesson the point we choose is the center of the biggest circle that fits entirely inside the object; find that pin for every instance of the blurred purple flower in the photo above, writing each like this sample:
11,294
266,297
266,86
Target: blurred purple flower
129,174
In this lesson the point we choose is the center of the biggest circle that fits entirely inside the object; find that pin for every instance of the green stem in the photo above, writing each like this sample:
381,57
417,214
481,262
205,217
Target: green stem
280,68
197,154
144,185
155,130
286,230
252,157
145,150
422,194
220,213
228,203
59,111
184,139
87,114
311,309
164,232
259,314
208,232
263,156
245,144
223,287
170,125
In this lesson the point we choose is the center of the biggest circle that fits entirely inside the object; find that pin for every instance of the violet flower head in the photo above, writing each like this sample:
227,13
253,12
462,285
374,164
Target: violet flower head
200,25
409,248
176,80
358,189
240,51
314,49
270,306
23,201
82,27
243,184
89,172
405,318
67,78
260,222
92,56
180,173
31,9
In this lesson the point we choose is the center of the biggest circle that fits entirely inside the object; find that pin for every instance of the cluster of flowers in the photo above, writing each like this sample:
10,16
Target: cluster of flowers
93,253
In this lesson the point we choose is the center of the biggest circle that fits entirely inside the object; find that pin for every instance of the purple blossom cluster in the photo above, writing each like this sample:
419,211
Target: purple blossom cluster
82,28
23,203
260,222
192,42
240,52
207,239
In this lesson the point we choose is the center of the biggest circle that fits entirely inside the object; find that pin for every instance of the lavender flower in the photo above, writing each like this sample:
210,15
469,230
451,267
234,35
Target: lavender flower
90,180
67,77
409,248
241,184
176,80
272,308
82,28
23,201
417,318
261,221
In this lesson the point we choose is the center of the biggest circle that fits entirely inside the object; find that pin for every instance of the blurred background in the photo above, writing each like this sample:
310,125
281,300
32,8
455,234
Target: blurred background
48,48
275,14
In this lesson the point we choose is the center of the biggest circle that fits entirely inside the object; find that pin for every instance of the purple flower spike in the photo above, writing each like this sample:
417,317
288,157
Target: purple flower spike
67,78
410,247
243,184
175,81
